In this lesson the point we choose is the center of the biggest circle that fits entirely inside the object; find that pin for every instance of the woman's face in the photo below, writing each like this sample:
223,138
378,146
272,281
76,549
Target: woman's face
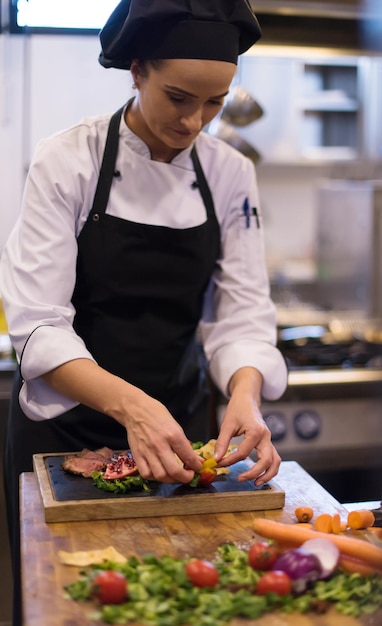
177,99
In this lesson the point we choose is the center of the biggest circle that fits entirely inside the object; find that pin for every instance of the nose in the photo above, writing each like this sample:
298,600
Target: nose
193,122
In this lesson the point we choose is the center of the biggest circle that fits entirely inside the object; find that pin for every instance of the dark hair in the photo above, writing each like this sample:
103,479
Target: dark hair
144,64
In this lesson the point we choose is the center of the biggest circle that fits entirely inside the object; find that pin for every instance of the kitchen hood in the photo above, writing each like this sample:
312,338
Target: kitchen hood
354,25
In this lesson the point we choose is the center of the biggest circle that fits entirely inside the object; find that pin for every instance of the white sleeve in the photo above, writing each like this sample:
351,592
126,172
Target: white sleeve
38,272
239,321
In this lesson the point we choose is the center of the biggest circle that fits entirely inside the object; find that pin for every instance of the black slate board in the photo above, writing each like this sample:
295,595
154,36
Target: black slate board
66,486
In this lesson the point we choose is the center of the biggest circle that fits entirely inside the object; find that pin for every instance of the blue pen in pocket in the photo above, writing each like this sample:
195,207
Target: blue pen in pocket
246,213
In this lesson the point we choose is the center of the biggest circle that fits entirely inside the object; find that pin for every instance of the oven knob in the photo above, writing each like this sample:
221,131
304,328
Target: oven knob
276,423
307,424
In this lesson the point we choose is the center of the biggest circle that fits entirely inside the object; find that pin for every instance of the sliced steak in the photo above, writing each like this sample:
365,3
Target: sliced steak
107,453
87,461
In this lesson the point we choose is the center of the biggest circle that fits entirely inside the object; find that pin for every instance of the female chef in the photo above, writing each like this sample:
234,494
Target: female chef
140,238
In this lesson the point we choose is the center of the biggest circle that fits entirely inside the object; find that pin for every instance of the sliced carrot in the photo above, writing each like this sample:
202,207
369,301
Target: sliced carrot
336,524
324,523
293,534
376,530
304,525
304,513
356,566
360,519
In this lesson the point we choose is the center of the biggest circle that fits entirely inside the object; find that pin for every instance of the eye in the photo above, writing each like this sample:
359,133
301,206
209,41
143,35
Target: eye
176,98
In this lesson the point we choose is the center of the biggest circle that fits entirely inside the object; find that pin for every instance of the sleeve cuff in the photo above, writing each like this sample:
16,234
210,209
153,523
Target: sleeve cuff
49,347
40,402
267,359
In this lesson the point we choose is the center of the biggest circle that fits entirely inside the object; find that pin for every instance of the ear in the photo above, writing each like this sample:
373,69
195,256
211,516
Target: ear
135,73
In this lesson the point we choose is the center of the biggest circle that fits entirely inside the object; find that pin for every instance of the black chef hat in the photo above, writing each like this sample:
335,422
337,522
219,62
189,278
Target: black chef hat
177,29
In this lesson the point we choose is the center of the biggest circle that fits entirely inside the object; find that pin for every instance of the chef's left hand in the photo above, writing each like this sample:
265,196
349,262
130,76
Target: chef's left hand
243,417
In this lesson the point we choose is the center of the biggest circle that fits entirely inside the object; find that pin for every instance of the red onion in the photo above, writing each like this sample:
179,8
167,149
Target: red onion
327,553
302,567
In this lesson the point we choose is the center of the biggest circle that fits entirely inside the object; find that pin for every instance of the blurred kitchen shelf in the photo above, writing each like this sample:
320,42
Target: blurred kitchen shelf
332,100
334,376
330,153
305,314
330,109
329,100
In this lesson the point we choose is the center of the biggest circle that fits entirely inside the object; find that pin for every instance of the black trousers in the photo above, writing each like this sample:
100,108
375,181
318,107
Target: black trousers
77,429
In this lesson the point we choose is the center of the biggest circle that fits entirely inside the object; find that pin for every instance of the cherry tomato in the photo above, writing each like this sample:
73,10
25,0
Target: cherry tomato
109,587
202,573
262,555
207,476
274,582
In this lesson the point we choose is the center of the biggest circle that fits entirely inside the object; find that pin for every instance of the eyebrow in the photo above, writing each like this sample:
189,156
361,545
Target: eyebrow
187,93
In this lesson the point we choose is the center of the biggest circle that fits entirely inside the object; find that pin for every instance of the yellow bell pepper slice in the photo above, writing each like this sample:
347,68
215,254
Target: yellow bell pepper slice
208,464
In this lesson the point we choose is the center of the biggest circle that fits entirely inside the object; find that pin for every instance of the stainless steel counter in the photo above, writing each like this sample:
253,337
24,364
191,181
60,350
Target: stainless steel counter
351,376
334,384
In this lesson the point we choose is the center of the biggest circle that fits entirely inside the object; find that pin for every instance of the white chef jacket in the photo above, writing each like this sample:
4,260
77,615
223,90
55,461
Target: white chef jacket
38,265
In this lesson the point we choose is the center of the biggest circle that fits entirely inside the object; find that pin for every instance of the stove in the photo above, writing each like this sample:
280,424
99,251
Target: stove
330,418
321,432
317,346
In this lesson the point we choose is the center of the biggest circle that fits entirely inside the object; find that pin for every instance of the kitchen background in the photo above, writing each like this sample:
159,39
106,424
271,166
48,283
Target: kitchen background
317,143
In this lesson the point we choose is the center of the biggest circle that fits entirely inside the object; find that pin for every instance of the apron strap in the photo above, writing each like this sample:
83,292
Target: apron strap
204,189
107,172
205,192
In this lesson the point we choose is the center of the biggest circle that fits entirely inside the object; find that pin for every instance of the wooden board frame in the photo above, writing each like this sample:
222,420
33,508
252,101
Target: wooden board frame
135,506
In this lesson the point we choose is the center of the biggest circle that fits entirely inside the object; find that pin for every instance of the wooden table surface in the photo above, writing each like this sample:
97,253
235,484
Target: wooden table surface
44,576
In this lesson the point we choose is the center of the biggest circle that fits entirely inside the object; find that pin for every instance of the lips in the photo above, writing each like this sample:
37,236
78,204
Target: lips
183,133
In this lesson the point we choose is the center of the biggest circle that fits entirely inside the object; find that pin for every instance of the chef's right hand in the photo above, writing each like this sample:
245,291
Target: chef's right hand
156,440
153,434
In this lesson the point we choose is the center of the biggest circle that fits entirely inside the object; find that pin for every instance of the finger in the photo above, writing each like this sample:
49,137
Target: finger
231,458
175,472
262,471
221,445
143,468
183,476
187,455
166,469
242,452
160,474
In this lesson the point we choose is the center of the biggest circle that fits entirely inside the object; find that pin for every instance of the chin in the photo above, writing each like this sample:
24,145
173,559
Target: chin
184,142
178,142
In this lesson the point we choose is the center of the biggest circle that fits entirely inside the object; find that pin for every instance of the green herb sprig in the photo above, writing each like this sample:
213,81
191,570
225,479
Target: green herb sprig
130,483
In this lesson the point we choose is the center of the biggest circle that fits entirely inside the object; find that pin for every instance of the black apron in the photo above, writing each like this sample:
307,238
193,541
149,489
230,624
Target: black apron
138,299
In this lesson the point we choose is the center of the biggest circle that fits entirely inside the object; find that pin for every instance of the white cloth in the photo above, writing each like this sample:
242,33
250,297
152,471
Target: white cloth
38,265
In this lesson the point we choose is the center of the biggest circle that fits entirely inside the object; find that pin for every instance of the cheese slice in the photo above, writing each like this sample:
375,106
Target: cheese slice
83,558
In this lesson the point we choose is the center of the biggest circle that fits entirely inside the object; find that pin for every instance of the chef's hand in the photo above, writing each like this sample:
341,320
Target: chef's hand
243,417
155,438
153,434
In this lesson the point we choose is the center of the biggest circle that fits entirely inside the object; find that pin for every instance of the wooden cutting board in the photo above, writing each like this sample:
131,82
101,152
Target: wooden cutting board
177,536
67,497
